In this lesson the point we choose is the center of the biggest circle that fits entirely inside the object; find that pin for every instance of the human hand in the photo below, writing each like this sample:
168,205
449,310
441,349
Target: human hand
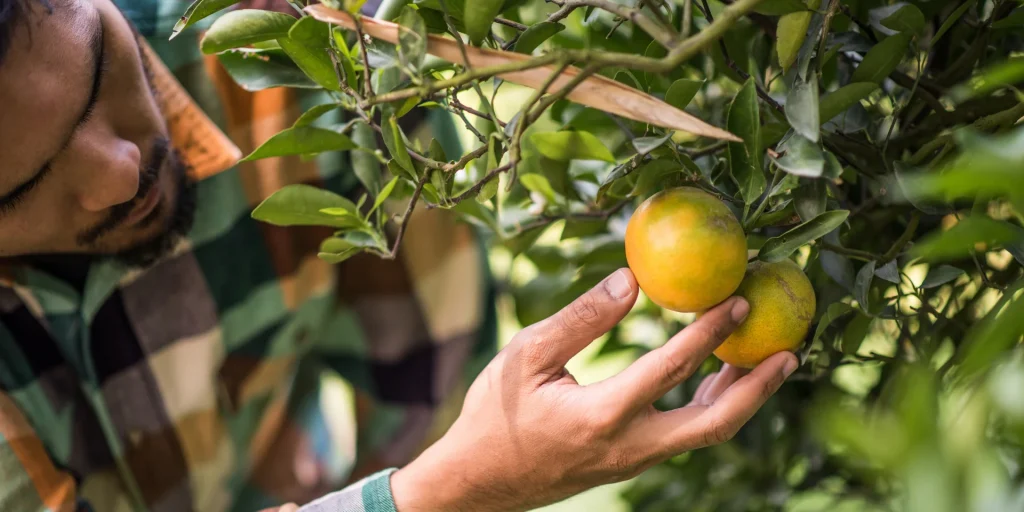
530,435
291,507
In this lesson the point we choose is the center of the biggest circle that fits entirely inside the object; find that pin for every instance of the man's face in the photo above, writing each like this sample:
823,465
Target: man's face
85,163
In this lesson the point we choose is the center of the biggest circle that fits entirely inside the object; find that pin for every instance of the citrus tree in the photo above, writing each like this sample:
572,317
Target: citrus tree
878,145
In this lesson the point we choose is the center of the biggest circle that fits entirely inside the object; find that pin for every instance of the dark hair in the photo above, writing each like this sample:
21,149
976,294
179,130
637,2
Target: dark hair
10,12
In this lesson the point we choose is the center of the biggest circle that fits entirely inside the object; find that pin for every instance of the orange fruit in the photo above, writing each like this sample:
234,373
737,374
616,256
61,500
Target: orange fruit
686,249
782,305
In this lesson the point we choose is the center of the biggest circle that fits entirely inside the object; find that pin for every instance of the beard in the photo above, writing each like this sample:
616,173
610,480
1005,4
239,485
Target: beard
176,225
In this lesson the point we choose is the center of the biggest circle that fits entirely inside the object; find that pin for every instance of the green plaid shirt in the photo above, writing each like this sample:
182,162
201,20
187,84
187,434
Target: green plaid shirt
211,381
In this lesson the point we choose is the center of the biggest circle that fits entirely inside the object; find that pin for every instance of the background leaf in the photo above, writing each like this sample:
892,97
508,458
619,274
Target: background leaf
571,145
745,157
245,27
304,140
534,36
882,59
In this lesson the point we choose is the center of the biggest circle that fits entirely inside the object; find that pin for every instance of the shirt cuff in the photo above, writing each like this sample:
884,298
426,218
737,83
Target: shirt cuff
371,494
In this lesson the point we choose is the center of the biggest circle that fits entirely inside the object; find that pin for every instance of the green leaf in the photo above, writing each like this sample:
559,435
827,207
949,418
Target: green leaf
303,205
745,157
365,163
951,20
855,333
307,44
836,102
645,145
833,169
809,199
412,39
489,190
197,11
907,19
1015,20
651,174
478,18
396,169
345,58
882,59
682,91
538,183
802,157
338,249
478,214
941,275
991,338
960,240
256,70
779,7
534,36
780,247
580,228
802,109
304,140
890,272
1002,74
834,312
245,27
791,31
988,167
837,266
395,142
310,116
862,284
571,145
436,151
383,195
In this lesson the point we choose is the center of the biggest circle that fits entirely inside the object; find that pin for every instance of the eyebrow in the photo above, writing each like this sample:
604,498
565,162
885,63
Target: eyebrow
96,44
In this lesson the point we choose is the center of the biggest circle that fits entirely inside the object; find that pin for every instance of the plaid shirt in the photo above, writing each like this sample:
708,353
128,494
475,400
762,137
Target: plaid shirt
208,381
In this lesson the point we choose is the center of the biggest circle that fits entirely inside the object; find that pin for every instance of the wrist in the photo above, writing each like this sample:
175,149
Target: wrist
427,485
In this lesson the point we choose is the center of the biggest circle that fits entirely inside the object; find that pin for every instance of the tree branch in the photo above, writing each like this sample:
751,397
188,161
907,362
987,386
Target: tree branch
665,36
408,213
676,56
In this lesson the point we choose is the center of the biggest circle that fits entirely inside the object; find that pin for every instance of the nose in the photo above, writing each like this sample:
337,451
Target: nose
111,175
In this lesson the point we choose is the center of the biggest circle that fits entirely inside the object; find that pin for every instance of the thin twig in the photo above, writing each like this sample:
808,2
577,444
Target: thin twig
853,253
509,23
462,106
475,189
366,58
676,56
763,94
408,212
545,220
687,18
664,35
465,61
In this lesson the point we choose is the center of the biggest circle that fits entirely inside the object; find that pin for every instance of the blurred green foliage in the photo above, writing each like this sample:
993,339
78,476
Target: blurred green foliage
883,151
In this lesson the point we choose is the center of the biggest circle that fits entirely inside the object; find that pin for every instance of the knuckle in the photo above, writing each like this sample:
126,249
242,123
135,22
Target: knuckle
581,313
677,367
771,386
602,425
620,466
718,431
534,350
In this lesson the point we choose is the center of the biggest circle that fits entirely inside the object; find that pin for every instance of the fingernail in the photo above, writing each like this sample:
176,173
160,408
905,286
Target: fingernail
790,366
618,285
740,309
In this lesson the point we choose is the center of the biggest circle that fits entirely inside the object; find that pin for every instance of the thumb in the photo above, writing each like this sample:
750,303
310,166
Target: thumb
550,343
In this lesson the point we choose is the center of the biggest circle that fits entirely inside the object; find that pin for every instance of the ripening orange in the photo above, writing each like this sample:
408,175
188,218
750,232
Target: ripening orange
782,305
686,249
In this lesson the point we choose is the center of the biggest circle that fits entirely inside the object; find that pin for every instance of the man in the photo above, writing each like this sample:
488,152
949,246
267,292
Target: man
160,350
